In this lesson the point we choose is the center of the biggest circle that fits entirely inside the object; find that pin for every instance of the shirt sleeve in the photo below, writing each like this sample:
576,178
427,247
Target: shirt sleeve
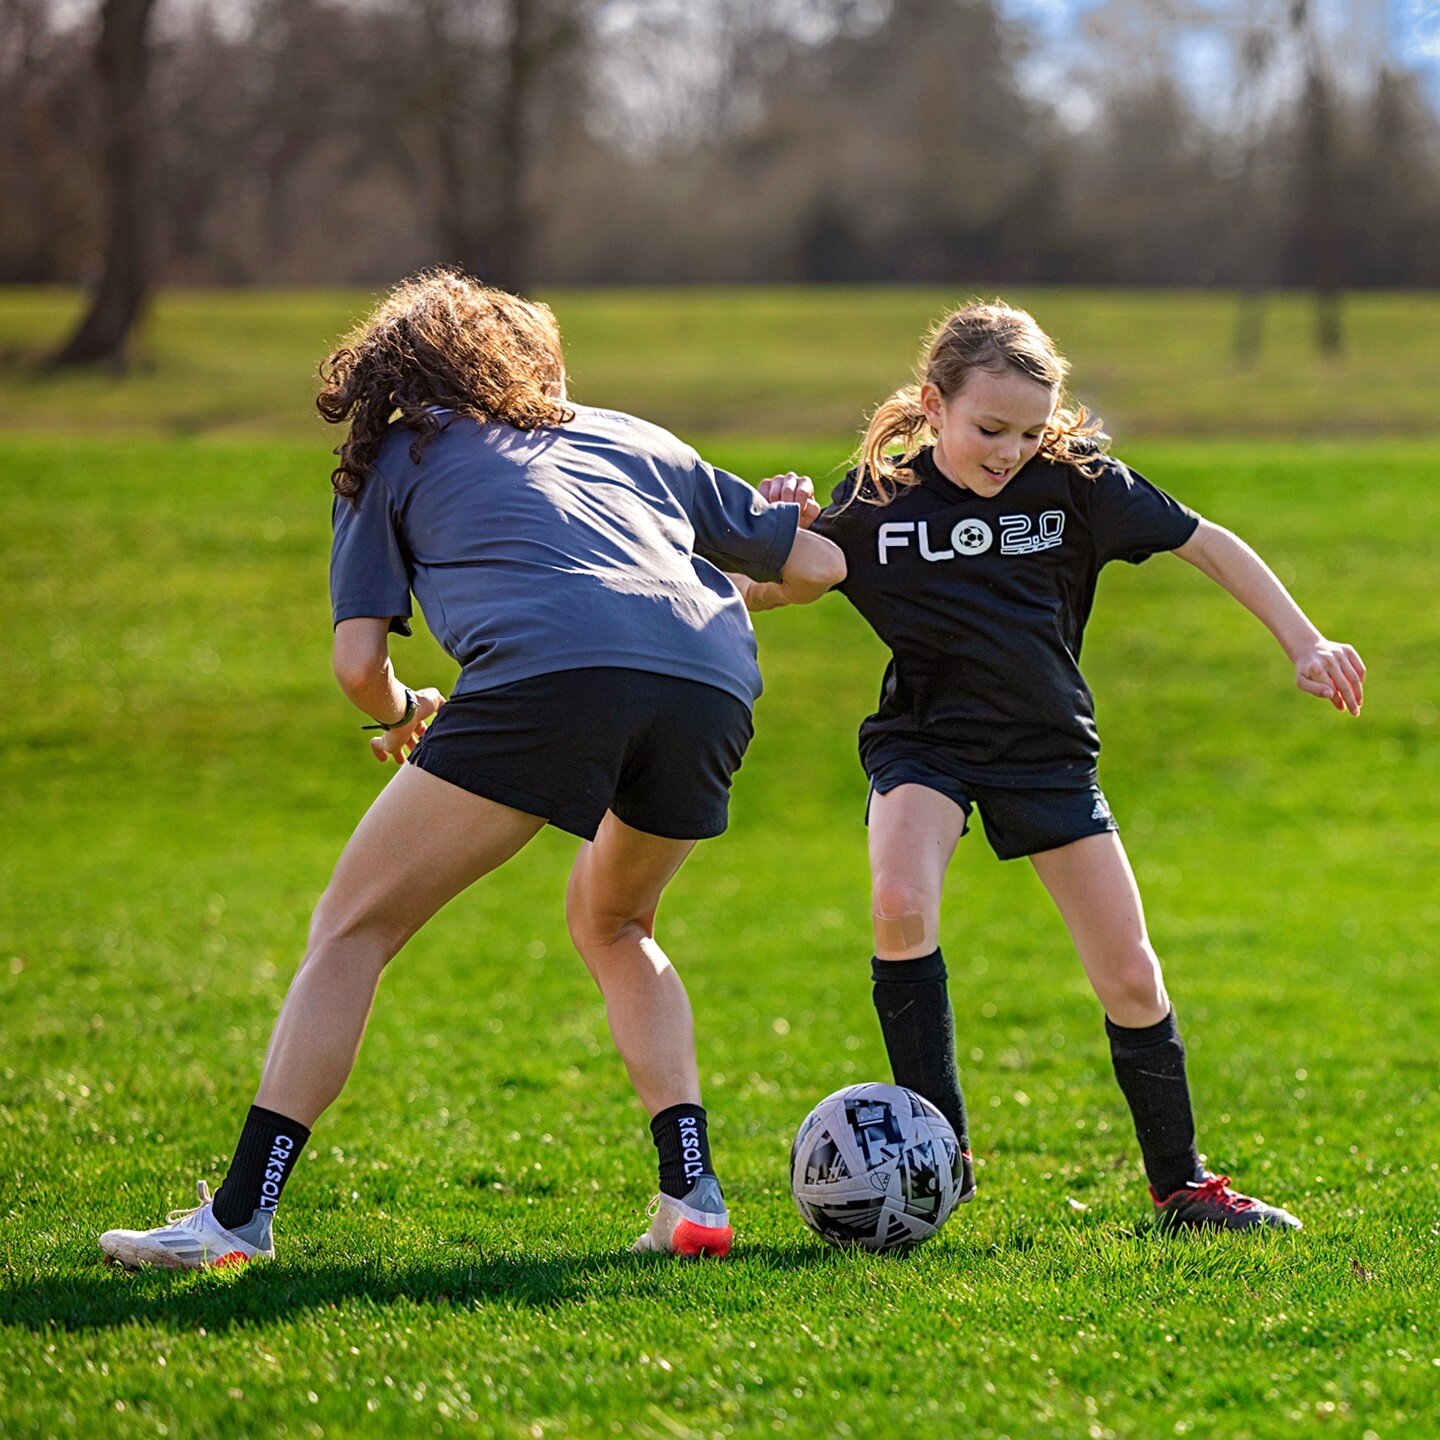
369,574
735,528
1131,519
842,523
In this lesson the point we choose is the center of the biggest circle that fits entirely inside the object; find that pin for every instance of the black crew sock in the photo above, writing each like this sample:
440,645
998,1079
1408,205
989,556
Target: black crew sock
915,1018
265,1156
1150,1066
684,1146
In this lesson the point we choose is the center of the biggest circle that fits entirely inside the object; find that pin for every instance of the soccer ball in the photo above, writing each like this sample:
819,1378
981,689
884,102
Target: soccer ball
875,1166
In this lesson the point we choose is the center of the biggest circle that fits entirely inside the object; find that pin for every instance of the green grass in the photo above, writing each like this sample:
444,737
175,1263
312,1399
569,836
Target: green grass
180,773
767,362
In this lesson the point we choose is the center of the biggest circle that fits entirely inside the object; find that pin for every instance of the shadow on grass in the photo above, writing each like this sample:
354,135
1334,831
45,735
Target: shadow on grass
105,1297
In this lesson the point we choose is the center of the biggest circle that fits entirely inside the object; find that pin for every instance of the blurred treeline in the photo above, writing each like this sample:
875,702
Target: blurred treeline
578,141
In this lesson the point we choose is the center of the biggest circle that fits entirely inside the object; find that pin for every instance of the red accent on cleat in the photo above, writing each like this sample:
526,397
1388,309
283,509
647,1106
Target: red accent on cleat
1211,1201
693,1240
235,1257
1214,1190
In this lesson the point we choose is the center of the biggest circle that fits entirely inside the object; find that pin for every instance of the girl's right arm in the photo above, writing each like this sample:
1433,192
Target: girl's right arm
815,566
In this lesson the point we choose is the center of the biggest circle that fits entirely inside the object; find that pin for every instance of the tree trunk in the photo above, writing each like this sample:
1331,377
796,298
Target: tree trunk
1319,217
122,63
1320,240
511,255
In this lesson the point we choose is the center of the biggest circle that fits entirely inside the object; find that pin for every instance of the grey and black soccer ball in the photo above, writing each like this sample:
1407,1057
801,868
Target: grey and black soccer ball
875,1166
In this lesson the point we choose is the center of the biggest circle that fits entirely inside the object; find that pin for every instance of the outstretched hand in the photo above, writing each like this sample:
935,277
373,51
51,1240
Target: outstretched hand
397,744
793,489
1334,673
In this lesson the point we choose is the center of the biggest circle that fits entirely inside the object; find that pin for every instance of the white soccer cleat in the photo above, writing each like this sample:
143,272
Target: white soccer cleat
697,1225
192,1240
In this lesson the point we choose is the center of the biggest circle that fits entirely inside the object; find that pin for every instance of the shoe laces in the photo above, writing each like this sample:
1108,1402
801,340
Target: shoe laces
177,1217
1216,1189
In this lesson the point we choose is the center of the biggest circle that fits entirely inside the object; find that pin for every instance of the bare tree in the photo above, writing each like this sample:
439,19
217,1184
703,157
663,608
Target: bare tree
650,140
1256,46
1269,38
1317,236
465,122
514,130
122,64
46,158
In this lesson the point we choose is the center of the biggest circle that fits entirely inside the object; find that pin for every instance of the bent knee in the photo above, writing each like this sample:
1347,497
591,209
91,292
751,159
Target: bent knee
1131,981
596,920
589,933
904,914
594,927
900,895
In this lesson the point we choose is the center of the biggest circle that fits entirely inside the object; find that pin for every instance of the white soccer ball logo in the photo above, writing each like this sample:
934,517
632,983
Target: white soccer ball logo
972,537
875,1166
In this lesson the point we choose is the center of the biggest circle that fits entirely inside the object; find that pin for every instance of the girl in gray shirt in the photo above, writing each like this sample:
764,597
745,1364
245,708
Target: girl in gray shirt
569,560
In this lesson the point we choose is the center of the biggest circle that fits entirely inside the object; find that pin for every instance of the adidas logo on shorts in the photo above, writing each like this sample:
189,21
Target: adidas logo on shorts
1101,810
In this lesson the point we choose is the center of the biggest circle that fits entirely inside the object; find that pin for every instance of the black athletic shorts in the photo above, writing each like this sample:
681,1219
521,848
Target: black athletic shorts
568,746
1017,821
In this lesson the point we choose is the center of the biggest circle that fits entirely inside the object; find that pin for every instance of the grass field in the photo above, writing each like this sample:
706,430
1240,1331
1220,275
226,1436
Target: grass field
762,362
181,772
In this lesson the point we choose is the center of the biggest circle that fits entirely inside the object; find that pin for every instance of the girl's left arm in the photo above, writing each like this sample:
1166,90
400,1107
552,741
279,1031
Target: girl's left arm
361,661
816,565
1322,667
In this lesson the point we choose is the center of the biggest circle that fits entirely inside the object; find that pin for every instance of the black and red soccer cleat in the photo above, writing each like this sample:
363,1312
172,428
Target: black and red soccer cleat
1210,1203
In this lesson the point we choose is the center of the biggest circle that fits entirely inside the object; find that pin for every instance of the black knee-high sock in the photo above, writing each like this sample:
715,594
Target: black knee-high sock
684,1146
265,1157
1150,1066
913,1004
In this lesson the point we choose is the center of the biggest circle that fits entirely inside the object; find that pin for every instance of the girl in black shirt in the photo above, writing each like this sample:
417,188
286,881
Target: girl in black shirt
974,556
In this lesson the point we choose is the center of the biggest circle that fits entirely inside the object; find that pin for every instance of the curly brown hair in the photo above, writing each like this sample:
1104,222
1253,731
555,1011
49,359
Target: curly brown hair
978,336
440,341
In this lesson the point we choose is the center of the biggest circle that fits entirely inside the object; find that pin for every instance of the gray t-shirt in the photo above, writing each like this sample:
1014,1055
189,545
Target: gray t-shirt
592,543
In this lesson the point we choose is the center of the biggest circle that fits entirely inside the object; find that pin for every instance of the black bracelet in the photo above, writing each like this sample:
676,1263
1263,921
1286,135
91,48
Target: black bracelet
411,706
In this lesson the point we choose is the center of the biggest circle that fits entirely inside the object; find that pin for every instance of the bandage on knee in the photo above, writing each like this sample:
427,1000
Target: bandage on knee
902,932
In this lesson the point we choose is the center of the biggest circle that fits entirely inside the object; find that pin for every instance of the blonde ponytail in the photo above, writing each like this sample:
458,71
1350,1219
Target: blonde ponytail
1075,437
899,420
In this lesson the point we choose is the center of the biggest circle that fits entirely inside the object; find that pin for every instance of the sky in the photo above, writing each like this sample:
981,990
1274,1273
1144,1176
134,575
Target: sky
1410,29
1418,30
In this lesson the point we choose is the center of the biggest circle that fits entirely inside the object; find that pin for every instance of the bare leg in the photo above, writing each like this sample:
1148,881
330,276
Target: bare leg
913,835
420,844
610,905
1094,889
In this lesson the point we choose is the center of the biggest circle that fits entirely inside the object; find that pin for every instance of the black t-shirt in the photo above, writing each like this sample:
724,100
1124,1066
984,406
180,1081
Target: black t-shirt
983,603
